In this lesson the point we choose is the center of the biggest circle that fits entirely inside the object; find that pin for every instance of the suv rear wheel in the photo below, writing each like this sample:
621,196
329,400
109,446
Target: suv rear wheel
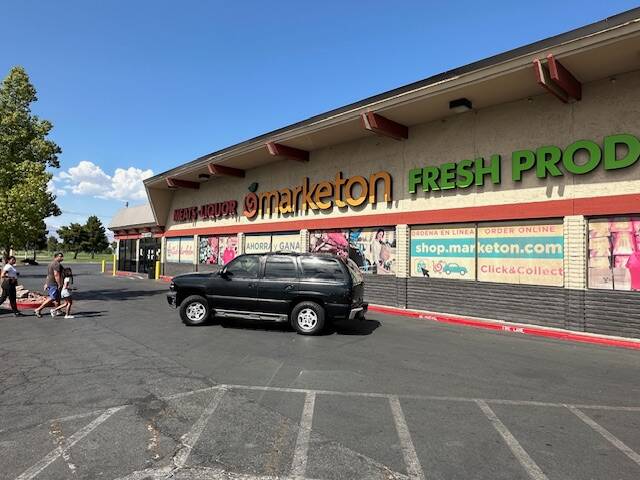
308,318
194,310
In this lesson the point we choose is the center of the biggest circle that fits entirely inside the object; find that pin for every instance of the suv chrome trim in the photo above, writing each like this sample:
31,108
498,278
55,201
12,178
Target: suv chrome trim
274,317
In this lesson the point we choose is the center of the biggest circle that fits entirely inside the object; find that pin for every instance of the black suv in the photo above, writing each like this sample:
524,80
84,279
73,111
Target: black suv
305,289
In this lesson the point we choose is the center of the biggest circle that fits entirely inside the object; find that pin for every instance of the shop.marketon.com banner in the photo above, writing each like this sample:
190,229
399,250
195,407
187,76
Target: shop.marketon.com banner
443,252
524,253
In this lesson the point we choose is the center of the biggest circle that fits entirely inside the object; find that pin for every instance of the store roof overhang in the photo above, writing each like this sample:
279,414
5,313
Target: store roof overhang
590,53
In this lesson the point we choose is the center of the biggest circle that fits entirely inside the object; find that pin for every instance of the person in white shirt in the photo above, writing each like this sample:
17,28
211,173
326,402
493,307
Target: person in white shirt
9,278
65,294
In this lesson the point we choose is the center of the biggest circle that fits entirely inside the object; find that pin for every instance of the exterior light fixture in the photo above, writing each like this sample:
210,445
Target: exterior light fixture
203,177
460,105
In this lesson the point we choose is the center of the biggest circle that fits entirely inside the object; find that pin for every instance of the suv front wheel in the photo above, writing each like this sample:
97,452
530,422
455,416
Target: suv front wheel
308,318
194,310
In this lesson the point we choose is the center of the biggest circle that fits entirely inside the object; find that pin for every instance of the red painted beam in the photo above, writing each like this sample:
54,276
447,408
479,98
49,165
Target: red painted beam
176,183
383,126
563,78
280,150
225,171
544,80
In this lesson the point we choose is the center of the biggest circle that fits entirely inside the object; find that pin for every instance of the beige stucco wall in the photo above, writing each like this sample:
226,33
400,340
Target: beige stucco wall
608,107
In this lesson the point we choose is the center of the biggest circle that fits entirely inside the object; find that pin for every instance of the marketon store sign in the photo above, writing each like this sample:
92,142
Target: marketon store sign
341,192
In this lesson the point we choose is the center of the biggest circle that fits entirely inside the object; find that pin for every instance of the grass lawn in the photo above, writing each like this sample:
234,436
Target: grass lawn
45,257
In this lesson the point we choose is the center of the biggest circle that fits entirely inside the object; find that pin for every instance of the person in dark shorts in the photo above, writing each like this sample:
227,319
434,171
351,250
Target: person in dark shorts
53,284
9,282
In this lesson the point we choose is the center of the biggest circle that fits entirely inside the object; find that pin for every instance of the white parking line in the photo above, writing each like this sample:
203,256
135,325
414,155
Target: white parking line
300,454
414,469
431,397
73,439
612,439
496,401
521,455
190,438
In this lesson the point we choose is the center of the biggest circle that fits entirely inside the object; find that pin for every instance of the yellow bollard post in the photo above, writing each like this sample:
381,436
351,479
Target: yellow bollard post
158,270
104,265
114,265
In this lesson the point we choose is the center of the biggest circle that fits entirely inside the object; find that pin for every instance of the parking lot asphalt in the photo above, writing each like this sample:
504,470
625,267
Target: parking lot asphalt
125,390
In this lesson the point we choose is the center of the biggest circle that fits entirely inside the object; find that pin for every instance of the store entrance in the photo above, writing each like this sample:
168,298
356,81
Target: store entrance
148,255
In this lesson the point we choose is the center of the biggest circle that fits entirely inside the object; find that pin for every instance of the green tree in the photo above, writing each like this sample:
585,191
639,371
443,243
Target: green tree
96,239
53,245
38,241
73,238
25,154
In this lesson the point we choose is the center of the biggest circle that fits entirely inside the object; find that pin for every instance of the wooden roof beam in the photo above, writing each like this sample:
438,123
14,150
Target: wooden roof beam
564,78
225,171
177,183
557,80
383,126
280,150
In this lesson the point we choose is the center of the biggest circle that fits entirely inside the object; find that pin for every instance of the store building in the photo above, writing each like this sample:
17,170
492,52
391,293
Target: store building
508,188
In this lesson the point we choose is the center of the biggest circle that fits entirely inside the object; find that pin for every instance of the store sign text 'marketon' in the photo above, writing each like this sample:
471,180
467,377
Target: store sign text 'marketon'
341,192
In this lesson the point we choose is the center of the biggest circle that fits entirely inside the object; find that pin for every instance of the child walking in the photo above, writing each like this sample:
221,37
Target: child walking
65,294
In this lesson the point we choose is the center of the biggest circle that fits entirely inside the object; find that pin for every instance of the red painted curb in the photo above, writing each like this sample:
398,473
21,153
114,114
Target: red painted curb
165,278
515,328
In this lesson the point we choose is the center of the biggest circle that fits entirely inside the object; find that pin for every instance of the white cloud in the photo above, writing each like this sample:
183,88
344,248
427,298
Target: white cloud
87,178
127,184
55,190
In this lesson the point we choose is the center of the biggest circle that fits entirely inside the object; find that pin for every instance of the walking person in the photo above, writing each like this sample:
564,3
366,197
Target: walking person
9,282
53,283
65,294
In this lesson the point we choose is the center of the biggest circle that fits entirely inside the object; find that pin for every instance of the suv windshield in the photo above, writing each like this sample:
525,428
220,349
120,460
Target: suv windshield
354,271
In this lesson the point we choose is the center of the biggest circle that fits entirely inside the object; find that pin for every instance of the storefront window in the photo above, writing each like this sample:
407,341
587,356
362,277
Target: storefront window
444,252
127,256
217,250
208,251
522,253
373,250
179,250
257,243
519,253
614,253
281,242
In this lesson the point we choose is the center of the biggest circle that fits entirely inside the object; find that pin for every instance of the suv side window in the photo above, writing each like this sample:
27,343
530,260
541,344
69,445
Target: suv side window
246,266
280,267
321,268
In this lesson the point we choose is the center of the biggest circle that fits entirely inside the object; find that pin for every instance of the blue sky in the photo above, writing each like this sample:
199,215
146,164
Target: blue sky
138,87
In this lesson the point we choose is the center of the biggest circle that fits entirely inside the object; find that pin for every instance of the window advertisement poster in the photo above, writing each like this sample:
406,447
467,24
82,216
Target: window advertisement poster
257,243
286,242
228,249
524,253
186,250
614,253
438,252
373,250
208,252
330,241
173,250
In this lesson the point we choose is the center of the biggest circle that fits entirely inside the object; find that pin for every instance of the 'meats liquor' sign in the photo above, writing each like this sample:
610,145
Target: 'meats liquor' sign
228,208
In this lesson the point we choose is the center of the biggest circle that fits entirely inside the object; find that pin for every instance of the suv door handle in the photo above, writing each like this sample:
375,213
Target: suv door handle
289,287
